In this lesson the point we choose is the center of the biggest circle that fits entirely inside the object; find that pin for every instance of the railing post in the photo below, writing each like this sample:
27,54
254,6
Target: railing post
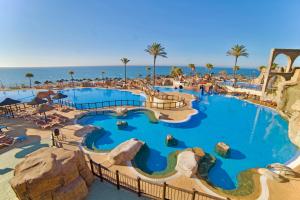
139,186
92,166
53,141
194,194
118,179
100,172
164,191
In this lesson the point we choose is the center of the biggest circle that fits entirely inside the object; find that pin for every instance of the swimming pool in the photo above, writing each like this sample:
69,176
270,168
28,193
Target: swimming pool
76,95
257,135
91,95
21,95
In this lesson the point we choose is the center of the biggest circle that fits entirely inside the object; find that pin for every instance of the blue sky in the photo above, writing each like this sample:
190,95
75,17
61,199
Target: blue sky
100,32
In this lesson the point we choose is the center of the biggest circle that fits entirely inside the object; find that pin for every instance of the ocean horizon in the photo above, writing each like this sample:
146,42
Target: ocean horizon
12,76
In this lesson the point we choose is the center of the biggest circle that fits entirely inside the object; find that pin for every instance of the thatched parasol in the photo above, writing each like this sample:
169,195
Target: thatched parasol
59,96
9,101
36,101
43,109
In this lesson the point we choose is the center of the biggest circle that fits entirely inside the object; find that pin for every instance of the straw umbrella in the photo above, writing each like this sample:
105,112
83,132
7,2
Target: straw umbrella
43,108
36,101
9,101
7,104
59,96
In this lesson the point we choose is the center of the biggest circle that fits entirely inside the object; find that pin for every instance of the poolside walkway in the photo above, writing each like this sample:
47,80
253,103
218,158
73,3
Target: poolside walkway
105,191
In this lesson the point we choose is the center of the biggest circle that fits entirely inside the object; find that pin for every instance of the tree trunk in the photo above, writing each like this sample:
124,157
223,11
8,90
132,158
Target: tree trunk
46,120
125,75
234,70
72,79
154,75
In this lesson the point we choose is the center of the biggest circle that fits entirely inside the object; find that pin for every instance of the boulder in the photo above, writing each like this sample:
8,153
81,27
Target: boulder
52,173
125,151
84,130
121,111
222,149
122,124
272,175
187,163
205,164
170,141
198,151
283,170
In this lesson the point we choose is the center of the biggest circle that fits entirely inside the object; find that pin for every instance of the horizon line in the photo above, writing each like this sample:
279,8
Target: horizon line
75,66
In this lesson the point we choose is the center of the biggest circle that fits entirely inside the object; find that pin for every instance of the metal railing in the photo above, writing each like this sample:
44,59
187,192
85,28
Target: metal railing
115,103
146,188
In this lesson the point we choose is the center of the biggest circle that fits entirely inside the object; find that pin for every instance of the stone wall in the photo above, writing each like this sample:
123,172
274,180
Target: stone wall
288,93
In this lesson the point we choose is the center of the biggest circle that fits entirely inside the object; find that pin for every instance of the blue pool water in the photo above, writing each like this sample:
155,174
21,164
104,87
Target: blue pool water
257,136
91,95
82,95
21,95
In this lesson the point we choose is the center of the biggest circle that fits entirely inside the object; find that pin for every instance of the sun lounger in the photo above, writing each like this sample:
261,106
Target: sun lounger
2,127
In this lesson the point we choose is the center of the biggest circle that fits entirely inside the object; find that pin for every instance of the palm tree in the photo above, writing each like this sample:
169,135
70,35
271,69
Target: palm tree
125,61
155,50
71,73
235,69
274,66
176,71
192,67
30,76
139,75
148,76
209,66
37,82
102,73
223,73
237,51
261,68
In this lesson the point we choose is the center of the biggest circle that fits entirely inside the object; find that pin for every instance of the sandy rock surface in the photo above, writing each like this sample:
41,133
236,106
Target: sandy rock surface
52,173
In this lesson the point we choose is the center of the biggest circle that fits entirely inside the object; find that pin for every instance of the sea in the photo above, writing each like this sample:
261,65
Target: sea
15,76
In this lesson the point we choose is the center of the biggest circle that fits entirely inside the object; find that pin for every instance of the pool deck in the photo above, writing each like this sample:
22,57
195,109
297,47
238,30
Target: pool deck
38,138
175,115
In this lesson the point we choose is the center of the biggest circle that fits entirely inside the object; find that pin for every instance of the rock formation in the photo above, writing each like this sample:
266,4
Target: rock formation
205,164
294,124
187,163
170,141
272,175
222,149
52,173
121,111
125,151
194,161
260,78
283,170
122,124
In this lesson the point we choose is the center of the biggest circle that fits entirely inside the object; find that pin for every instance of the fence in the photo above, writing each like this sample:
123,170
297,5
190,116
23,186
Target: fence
242,85
114,103
146,188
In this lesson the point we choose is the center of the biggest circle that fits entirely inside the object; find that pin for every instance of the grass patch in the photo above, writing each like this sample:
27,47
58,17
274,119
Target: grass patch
246,184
